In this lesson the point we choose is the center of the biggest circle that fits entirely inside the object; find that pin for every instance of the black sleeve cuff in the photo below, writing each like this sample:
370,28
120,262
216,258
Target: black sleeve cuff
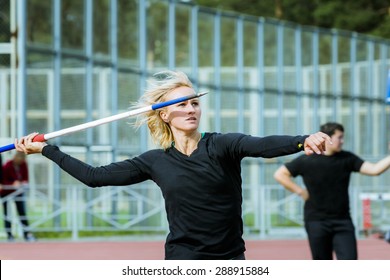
48,150
299,141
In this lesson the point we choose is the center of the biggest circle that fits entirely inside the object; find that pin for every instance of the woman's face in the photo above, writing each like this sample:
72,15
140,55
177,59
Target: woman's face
184,116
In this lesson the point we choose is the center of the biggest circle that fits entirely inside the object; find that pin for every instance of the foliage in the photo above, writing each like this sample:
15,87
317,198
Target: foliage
363,16
4,21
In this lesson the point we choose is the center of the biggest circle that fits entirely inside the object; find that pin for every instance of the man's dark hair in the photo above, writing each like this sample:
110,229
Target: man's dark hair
331,127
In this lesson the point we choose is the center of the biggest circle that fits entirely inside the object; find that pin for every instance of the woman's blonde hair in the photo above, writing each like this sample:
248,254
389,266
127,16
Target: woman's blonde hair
159,86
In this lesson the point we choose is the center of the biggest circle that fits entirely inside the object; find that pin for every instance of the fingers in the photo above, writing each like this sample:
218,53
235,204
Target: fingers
26,145
315,143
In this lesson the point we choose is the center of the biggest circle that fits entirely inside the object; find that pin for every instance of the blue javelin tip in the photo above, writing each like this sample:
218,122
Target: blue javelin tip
177,100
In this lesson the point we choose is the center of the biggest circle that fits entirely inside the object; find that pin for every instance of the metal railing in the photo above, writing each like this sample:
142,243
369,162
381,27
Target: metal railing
268,211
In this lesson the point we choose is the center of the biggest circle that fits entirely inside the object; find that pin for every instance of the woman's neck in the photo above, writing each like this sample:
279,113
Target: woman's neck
187,144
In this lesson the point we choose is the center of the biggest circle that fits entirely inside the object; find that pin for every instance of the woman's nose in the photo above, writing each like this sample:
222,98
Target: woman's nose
190,108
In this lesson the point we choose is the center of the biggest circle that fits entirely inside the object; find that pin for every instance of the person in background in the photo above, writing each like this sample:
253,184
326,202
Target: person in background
1,173
14,179
327,217
1,170
199,173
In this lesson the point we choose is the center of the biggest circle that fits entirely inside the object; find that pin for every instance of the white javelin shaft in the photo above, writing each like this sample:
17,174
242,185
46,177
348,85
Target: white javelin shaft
98,122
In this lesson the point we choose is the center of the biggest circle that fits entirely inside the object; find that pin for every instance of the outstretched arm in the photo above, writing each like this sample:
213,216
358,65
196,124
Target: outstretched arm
117,173
283,176
374,169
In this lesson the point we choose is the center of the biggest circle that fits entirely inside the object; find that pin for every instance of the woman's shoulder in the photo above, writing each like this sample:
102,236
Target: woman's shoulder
152,153
149,157
219,135
221,141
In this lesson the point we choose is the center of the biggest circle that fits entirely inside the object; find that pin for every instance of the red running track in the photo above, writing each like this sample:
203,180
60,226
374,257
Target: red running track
368,249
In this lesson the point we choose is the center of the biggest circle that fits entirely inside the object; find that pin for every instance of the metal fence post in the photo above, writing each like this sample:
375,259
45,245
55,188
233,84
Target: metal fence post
75,229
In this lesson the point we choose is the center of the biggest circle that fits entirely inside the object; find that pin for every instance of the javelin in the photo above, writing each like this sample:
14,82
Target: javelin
51,135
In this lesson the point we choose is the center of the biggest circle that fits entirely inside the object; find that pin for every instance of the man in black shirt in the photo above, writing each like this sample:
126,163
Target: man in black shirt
199,174
1,172
326,212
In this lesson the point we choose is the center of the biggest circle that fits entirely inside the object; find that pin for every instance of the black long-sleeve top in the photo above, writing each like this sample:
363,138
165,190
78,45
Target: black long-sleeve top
202,192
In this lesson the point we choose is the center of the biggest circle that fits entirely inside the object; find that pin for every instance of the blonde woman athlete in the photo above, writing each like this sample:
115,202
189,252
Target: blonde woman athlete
199,174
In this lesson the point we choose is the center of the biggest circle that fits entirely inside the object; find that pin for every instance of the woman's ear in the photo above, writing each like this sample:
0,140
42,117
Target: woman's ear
164,116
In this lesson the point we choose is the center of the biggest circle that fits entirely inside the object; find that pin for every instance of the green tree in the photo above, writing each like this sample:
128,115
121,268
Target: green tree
4,21
363,16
